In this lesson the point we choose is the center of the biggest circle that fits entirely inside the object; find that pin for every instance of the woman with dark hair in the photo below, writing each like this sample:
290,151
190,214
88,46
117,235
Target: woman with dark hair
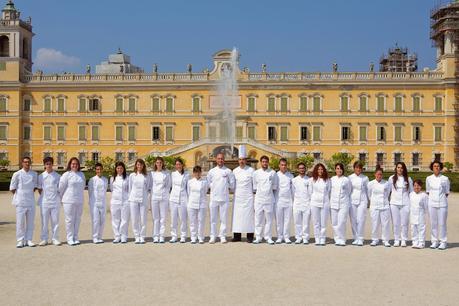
160,190
139,185
359,201
177,201
119,203
71,189
438,189
319,189
401,185
340,201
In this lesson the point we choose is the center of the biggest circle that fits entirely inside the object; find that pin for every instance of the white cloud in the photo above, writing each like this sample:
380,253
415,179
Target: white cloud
51,59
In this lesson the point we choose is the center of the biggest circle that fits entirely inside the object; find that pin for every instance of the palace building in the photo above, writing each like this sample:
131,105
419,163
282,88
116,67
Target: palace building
125,113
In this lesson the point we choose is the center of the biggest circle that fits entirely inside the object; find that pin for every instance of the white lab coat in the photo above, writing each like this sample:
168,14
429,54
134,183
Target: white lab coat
400,193
177,202
49,202
160,191
378,193
400,206
119,206
243,209
438,188
265,184
301,208
197,204
340,201
359,201
139,186
284,203
97,189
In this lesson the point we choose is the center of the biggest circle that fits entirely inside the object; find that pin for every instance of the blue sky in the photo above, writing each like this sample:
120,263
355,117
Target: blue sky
289,35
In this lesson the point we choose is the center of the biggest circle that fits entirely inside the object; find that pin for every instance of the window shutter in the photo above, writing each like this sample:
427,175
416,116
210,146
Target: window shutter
169,133
303,104
316,133
82,133
119,133
82,105
131,135
119,105
283,133
271,104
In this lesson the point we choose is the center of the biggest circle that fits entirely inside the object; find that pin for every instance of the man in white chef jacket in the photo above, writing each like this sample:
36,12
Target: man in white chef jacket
264,185
243,210
23,185
221,180
284,202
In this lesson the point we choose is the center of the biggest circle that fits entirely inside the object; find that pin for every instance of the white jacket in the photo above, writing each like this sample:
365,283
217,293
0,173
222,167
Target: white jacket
179,192
264,185
139,186
284,192
160,185
400,193
378,193
438,188
119,187
97,189
359,194
320,192
418,207
340,195
221,181
71,187
197,193
301,196
24,183
48,183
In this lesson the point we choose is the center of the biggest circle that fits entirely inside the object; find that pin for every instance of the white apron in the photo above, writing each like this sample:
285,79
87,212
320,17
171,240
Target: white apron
243,211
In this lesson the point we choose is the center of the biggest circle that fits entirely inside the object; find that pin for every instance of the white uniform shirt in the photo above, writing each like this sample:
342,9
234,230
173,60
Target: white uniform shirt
378,193
119,187
179,192
418,207
97,189
301,196
284,192
71,187
243,183
161,185
221,180
341,189
320,192
197,193
359,194
49,185
264,183
438,187
139,185
400,193
25,183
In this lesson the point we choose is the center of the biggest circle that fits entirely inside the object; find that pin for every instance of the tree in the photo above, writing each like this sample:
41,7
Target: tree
169,161
306,159
89,164
448,166
274,163
108,163
344,158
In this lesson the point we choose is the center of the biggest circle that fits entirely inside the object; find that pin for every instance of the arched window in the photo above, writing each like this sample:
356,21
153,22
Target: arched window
4,46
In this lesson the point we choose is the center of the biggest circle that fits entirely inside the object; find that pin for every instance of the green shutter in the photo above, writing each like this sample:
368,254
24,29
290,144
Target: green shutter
169,135
251,132
131,104
398,133
271,104
316,104
60,133
363,104
239,132
284,104
82,106
438,133
251,104
316,133
169,105
47,133
26,133
119,105
381,133
95,132
398,104
438,104
195,105
47,107
131,132
119,133
416,104
195,133
60,105
380,106
303,104
284,133
363,133
3,132
344,104
2,104
155,106
81,133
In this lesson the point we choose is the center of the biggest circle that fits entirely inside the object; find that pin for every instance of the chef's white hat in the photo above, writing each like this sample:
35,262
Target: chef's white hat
242,151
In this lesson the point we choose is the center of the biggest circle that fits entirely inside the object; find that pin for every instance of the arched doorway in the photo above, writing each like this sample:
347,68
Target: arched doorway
4,46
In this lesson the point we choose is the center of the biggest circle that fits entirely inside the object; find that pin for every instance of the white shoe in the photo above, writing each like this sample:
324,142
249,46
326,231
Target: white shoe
161,240
270,241
95,241
212,240
355,242
182,240
223,240
443,246
155,240
117,240
56,242
434,245
20,244
173,240
257,241
77,242
137,240
403,245
298,241
288,241
123,240
415,245
43,243
142,240
305,241
396,243
31,244
201,241
99,241
322,241
71,242
374,243
360,243
279,241
193,240
387,244
421,246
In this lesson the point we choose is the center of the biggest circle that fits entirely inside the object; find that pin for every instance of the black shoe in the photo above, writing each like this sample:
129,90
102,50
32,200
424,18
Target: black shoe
237,237
250,237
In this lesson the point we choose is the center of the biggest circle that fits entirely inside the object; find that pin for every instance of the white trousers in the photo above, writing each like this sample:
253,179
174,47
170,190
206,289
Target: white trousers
178,211
72,213
338,220
380,218
283,216
319,220
400,221
49,214
418,233
216,209
120,220
301,218
159,210
138,218
25,216
438,217
197,219
263,215
358,215
98,221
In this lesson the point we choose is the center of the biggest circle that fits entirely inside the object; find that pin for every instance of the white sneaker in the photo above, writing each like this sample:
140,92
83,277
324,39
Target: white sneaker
223,240
31,244
270,241
117,240
305,241
443,246
298,240
288,241
212,240
100,241
360,243
193,240
95,241
415,245
182,240
322,241
257,241
421,245
374,243
201,241
142,240
387,244
137,240
155,240
355,242
403,245
396,243
56,242
173,240
43,243
77,242
161,240
434,245
123,240
279,241
71,242
20,244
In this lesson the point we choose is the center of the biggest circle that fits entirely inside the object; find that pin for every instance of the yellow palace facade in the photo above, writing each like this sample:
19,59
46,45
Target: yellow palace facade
379,117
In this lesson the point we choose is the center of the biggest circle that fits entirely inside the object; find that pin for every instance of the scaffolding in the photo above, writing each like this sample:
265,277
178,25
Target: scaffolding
398,60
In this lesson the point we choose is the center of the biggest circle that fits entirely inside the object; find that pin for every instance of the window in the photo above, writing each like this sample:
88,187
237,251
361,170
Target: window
381,133
304,133
344,104
82,105
417,133
95,156
131,133
3,156
303,104
271,104
398,133
438,104
345,133
94,105
437,157
155,104
95,133
316,104
82,133
27,131
380,104
251,104
131,105
239,133
284,104
363,157
61,133
195,105
272,133
60,158
251,132
316,133
380,159
2,104
119,133
196,131
47,105
60,105
119,156
284,133
415,159
119,105
3,132
27,105
132,156
47,133
169,104
416,104
398,104
397,158
155,136
438,133
363,133
82,157
363,104
169,133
